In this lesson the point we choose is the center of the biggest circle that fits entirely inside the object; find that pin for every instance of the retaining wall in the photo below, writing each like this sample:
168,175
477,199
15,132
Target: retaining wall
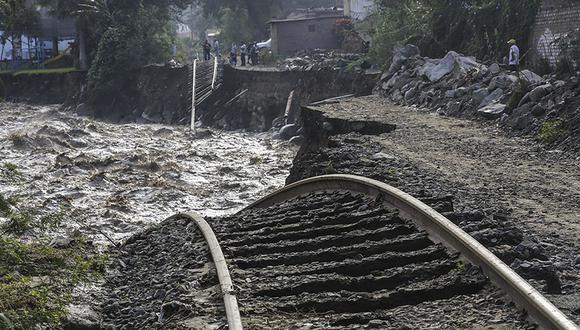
46,88
268,91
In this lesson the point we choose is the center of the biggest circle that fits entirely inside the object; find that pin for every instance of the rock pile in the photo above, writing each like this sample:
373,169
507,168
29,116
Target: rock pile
458,85
314,60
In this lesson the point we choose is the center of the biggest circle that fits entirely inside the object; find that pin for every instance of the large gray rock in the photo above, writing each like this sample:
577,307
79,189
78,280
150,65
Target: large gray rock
530,77
397,81
492,111
479,95
453,61
494,68
494,97
453,107
397,96
450,94
538,110
288,131
410,95
400,56
539,92
82,318
505,81
524,99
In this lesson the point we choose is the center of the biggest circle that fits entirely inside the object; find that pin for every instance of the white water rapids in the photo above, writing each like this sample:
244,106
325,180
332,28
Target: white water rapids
114,180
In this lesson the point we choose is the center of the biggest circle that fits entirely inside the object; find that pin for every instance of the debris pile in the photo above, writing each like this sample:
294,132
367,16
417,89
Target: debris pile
458,85
315,60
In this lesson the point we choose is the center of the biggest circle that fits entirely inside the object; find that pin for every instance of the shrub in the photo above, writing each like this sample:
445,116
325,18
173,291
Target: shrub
551,131
37,279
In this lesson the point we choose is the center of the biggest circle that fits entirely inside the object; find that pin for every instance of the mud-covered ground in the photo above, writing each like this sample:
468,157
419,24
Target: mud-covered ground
114,180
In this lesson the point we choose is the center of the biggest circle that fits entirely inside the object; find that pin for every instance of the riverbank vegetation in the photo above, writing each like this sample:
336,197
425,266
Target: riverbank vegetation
39,273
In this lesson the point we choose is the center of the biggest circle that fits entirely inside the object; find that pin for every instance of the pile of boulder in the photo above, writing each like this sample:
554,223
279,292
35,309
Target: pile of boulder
315,60
458,85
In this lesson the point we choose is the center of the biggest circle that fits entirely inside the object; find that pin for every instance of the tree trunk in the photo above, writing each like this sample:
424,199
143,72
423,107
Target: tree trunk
13,43
54,47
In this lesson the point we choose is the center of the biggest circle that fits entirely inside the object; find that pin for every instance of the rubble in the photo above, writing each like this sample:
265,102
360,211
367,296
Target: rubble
458,85
314,60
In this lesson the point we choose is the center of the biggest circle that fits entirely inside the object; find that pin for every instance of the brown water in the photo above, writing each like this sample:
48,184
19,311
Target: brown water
113,180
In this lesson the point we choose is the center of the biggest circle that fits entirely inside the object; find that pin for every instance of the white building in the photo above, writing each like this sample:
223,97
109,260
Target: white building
358,9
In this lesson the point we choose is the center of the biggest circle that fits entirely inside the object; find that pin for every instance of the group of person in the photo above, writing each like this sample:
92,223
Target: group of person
248,53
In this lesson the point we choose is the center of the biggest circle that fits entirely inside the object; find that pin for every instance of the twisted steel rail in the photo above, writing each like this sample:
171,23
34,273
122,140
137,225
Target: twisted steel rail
440,229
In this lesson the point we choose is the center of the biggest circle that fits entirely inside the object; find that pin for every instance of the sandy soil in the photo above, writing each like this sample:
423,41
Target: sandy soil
115,180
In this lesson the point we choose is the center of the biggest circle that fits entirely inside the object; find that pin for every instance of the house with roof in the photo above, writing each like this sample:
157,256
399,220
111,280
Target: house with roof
315,28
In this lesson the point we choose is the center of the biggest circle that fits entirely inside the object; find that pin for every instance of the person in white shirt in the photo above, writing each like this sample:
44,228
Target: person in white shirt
243,52
514,56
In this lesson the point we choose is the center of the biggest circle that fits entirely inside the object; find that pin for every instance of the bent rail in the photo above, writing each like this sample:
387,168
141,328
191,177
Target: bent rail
226,285
441,229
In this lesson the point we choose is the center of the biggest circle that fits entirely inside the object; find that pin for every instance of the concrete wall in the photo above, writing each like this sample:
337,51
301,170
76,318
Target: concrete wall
53,88
291,36
554,18
268,92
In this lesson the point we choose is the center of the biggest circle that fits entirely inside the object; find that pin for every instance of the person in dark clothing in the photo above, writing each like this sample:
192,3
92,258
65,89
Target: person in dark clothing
206,50
234,55
243,52
254,53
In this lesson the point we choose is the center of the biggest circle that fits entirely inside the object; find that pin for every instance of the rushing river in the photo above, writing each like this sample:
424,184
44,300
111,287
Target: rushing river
111,180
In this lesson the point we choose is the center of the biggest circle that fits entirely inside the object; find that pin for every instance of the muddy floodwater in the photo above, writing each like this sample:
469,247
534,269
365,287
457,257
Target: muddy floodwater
110,181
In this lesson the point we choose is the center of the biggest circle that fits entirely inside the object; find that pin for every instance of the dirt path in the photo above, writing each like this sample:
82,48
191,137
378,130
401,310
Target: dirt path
541,189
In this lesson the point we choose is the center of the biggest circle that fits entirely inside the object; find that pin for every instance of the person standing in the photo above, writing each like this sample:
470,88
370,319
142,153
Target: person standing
206,50
243,52
254,53
234,55
514,56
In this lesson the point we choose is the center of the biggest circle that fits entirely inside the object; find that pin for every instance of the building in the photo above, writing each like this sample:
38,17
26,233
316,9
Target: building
295,34
54,36
554,19
358,9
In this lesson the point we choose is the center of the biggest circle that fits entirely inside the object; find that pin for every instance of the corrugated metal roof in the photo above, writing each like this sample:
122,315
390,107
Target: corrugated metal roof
287,20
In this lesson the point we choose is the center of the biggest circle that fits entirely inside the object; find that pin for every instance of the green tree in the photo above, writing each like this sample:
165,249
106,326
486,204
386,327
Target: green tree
475,27
235,26
256,13
134,34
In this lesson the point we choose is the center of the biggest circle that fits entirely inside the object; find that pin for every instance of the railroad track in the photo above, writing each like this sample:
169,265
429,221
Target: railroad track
342,251
330,252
